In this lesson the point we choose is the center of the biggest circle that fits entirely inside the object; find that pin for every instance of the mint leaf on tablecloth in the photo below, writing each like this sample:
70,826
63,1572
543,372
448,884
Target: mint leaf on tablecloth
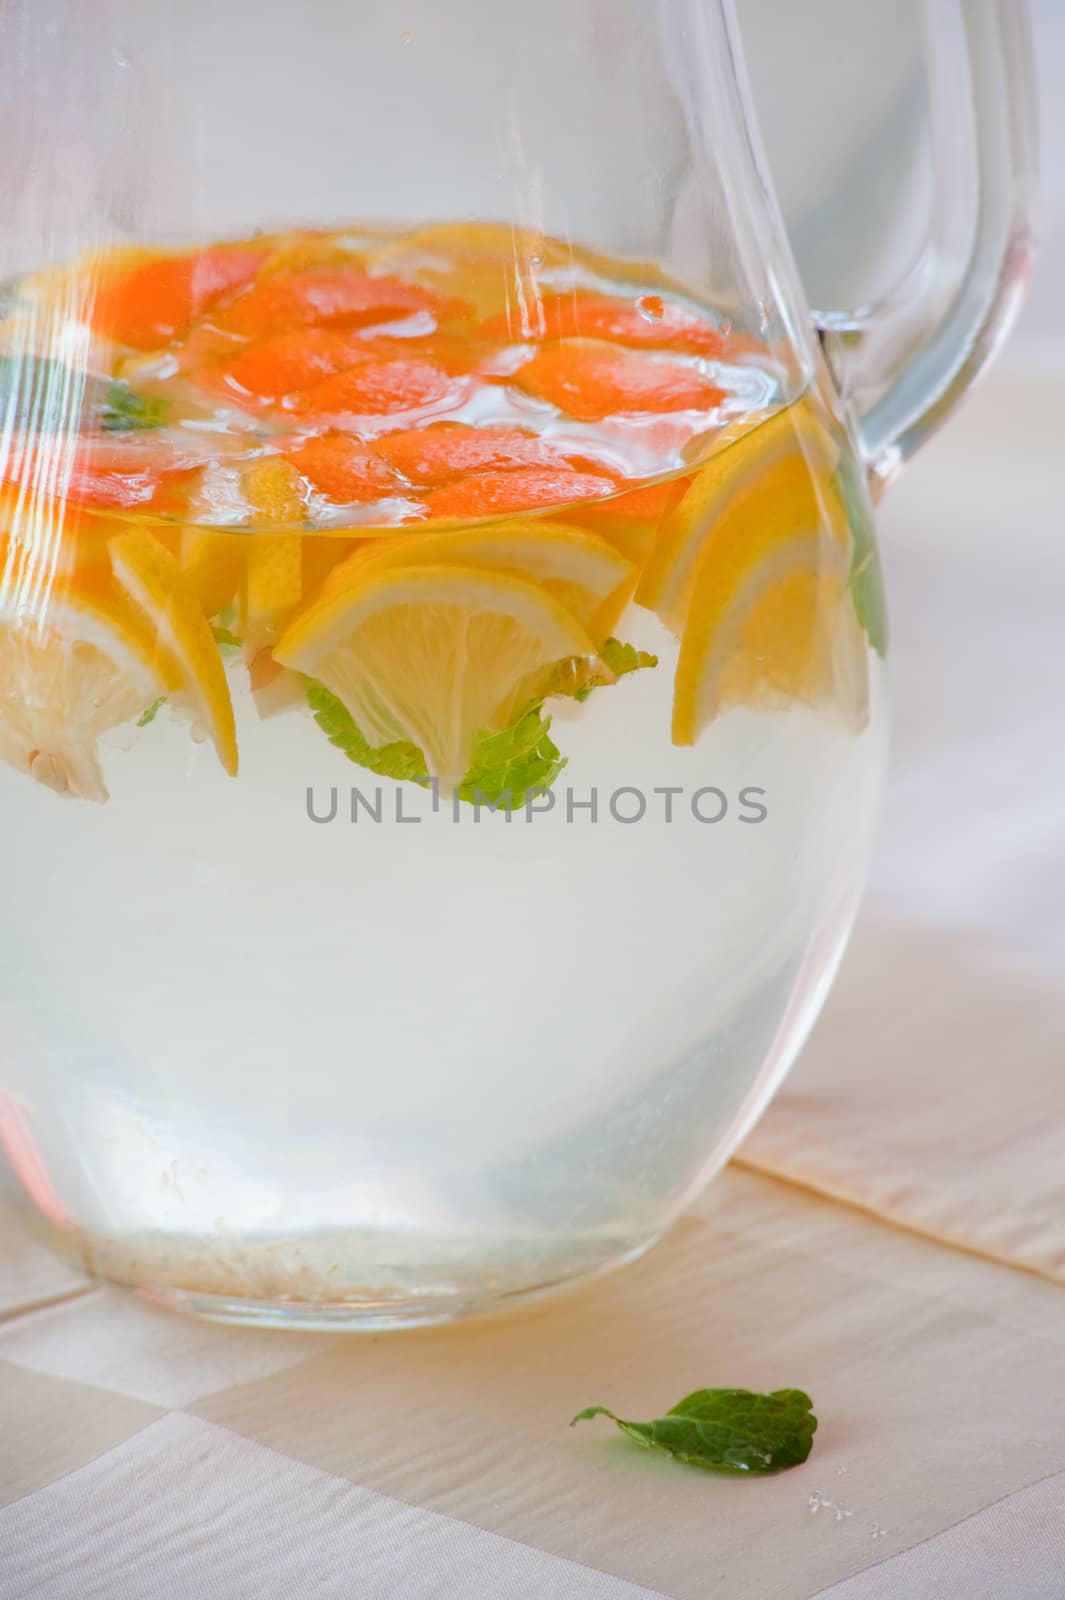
727,1430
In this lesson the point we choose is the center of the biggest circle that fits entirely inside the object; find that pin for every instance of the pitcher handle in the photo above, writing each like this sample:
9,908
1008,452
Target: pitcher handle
903,363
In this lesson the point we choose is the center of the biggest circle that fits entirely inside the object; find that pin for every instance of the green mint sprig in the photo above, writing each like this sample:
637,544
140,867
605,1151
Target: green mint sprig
126,410
727,1430
400,760
625,658
229,643
506,765
576,677
42,395
152,712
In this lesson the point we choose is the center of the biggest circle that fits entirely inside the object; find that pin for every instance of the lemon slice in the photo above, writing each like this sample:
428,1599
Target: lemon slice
585,574
273,585
212,565
81,666
770,623
491,265
788,458
43,545
302,250
275,688
273,578
153,580
272,488
434,655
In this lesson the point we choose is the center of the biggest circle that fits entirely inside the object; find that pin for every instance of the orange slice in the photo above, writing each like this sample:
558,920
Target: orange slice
342,469
156,301
590,381
488,494
444,451
293,361
648,321
322,296
102,473
378,387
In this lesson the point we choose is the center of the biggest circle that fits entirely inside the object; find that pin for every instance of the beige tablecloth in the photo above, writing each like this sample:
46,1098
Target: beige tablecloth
146,1456
892,1239
933,1092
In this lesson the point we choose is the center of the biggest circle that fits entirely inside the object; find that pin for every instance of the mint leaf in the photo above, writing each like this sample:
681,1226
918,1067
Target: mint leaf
866,578
399,760
508,766
39,394
576,677
227,641
505,767
152,712
572,679
127,411
728,1430
625,658
42,394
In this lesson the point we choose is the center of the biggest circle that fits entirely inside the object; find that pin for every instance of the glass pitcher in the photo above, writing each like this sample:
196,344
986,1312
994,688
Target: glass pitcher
441,630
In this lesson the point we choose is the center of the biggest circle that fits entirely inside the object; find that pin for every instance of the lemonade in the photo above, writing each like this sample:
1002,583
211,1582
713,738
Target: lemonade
471,645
